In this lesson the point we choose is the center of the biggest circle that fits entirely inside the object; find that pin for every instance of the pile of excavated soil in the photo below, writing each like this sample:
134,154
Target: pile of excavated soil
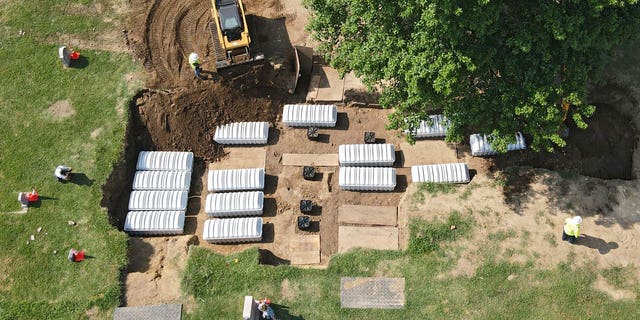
186,119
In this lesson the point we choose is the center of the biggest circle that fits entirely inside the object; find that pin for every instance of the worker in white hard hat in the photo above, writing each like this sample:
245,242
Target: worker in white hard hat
194,62
571,229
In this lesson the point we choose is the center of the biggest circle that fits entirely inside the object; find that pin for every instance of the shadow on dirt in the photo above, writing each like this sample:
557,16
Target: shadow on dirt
270,184
602,246
361,98
268,233
117,188
269,207
399,163
274,136
190,224
604,151
342,121
267,257
140,253
402,183
515,182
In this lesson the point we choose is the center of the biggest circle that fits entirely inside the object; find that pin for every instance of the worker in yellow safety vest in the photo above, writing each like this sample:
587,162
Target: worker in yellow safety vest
571,229
194,61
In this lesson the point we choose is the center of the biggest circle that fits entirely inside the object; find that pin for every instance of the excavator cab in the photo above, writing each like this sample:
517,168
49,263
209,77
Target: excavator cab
230,32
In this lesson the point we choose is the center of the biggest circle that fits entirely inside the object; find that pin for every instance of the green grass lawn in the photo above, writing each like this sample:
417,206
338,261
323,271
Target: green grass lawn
219,284
35,282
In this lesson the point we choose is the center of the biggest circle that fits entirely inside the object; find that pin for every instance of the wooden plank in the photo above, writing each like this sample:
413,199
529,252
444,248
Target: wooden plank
427,151
241,158
368,215
331,88
314,86
320,160
381,238
305,249
296,75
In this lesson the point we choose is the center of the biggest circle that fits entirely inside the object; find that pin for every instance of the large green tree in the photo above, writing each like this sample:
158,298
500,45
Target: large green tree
493,67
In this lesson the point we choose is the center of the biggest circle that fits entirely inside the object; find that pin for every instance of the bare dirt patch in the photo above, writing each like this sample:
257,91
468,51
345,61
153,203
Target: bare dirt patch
154,269
61,109
288,291
532,233
95,133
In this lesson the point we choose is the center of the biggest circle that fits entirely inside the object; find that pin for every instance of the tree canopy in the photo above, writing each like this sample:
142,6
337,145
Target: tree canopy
492,67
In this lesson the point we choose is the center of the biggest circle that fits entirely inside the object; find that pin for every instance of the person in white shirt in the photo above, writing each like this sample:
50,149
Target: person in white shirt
63,173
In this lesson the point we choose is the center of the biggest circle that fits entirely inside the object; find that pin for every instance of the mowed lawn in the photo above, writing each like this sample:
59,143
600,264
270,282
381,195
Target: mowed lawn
498,290
50,116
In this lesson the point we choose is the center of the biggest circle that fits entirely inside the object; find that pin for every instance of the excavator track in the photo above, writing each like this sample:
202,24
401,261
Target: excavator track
219,52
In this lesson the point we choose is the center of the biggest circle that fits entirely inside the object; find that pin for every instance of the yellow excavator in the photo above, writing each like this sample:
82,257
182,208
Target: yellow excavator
232,43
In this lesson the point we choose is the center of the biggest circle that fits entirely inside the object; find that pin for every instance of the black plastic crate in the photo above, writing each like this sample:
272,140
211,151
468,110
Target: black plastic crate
312,133
308,173
306,205
369,137
304,222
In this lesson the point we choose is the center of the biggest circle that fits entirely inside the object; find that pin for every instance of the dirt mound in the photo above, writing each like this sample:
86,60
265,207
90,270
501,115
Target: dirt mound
185,119
163,32
180,112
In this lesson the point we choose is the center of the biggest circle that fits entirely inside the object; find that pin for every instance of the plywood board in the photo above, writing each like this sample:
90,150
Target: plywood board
381,238
368,215
427,151
372,293
320,160
305,249
314,85
331,85
241,158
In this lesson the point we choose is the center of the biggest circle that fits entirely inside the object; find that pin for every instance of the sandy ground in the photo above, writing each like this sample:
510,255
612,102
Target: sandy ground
532,206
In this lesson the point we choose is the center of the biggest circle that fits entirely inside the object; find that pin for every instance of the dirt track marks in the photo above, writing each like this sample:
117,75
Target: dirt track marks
173,29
